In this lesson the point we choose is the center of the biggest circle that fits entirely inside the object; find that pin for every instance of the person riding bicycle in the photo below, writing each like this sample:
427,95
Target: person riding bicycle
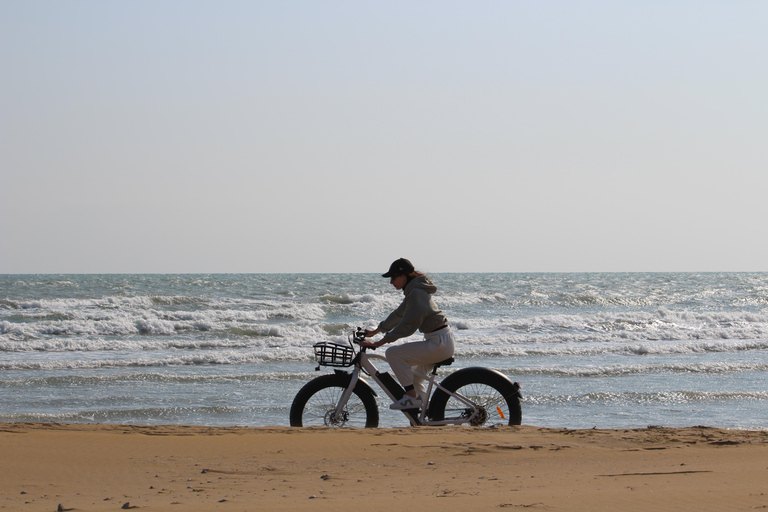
417,311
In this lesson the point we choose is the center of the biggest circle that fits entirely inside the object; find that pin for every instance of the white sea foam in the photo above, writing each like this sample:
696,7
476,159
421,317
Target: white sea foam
621,326
591,349
219,357
664,397
639,369
158,322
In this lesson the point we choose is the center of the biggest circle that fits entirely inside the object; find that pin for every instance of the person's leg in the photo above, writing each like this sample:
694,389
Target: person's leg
422,354
399,358
443,344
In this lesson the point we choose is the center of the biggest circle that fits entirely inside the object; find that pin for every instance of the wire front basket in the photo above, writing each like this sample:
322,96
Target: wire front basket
333,354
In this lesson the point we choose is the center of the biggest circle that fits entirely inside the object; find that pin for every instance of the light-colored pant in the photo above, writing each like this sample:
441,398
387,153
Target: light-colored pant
420,355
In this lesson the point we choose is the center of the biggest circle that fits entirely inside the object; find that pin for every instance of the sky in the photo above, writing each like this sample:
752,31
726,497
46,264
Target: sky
305,136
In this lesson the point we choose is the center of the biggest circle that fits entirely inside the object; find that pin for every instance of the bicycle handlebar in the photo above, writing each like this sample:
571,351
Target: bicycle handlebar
358,336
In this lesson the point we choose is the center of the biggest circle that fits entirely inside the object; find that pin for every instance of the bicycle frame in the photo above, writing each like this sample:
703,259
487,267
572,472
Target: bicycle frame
363,362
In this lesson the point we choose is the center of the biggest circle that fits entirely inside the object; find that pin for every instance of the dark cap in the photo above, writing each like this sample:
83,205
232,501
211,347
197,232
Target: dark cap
399,267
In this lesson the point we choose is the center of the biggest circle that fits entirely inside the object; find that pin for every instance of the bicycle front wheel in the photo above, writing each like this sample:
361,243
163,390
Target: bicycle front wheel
315,404
496,396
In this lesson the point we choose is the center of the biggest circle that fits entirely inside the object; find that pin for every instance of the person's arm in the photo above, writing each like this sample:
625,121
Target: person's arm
394,318
386,325
372,344
416,309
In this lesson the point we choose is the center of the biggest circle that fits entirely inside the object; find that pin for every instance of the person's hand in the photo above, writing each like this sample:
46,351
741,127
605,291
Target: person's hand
371,332
371,344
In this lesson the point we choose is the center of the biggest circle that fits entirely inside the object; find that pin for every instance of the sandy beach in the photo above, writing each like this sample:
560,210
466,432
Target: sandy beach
49,467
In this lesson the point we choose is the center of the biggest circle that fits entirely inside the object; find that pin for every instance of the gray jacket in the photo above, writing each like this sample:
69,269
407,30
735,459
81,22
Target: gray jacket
418,311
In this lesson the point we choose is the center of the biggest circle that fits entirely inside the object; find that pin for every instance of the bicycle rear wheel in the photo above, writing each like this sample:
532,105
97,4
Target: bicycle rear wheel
315,404
497,397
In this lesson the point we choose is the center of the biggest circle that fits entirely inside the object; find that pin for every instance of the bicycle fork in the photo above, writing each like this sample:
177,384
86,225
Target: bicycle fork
338,413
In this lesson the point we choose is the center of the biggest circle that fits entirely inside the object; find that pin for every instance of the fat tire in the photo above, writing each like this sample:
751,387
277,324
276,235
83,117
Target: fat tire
335,384
507,392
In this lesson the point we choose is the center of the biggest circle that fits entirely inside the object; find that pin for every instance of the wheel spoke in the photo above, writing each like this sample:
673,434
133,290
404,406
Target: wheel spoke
494,405
319,410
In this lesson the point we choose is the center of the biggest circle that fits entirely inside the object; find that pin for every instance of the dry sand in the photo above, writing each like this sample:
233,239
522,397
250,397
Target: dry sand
45,467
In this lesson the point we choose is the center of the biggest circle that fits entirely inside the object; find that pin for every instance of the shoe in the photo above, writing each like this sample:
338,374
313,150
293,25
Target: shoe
407,402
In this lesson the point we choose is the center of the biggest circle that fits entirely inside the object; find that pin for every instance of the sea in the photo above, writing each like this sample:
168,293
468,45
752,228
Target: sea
605,350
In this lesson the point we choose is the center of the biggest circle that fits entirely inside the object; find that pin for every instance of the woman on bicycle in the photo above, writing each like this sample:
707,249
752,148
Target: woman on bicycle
417,312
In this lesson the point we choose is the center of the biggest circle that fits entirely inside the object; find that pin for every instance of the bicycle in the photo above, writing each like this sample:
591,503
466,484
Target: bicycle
474,396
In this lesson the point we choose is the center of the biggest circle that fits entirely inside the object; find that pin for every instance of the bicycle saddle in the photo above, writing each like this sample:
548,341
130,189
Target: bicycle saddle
447,362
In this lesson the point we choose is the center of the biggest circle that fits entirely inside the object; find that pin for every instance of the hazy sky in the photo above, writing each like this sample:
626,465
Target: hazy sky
326,136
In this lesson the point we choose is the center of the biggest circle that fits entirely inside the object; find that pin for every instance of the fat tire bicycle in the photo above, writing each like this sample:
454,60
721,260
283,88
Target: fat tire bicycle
470,396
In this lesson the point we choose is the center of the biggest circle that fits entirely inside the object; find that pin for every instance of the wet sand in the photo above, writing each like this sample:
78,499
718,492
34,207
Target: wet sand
45,467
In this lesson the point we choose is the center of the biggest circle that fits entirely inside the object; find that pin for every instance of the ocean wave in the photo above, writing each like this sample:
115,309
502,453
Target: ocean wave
661,324
176,300
38,307
47,283
163,378
653,398
282,322
134,344
149,353
640,369
149,415
456,300
591,349
218,357
59,304
347,298
8,304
